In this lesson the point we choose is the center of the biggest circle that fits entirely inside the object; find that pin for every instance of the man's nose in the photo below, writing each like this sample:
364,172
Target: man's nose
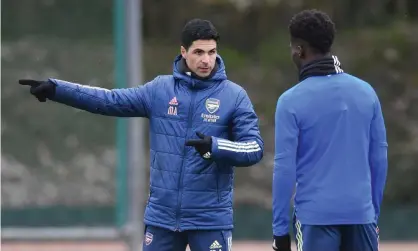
205,59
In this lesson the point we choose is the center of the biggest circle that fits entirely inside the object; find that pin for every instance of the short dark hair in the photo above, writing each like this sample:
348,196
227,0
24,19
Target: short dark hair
314,27
197,29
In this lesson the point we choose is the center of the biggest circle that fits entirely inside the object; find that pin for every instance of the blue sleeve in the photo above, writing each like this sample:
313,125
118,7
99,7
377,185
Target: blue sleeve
378,157
246,146
126,102
284,171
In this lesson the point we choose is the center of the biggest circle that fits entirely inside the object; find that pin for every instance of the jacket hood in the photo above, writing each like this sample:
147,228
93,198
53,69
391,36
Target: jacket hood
180,73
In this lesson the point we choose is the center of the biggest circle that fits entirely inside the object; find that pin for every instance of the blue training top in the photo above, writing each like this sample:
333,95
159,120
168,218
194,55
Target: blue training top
330,140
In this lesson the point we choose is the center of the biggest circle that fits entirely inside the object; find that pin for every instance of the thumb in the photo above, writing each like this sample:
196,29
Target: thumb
29,82
200,135
41,99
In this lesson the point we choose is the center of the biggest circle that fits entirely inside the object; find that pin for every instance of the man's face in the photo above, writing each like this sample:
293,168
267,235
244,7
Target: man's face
200,57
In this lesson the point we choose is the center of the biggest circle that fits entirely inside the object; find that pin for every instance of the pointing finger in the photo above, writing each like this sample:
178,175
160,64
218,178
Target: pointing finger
29,82
193,142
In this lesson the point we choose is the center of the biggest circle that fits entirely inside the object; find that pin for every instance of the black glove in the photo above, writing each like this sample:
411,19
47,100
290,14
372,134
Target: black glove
40,89
202,145
281,243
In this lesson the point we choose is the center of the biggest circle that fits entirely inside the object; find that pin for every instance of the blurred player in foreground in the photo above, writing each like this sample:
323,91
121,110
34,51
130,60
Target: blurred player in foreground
201,126
330,141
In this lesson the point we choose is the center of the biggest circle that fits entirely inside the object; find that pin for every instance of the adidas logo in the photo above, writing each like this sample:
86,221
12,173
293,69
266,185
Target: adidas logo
215,245
173,101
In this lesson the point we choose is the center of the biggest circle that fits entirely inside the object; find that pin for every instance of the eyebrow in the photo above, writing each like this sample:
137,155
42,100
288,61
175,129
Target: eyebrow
199,49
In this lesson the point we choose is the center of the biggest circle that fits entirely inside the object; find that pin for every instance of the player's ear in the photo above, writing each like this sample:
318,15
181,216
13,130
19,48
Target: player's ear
301,51
183,51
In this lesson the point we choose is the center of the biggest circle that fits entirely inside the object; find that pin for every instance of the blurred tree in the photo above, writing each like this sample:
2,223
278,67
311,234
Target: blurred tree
51,152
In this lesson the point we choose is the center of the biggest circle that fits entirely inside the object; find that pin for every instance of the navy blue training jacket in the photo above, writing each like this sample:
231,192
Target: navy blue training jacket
187,192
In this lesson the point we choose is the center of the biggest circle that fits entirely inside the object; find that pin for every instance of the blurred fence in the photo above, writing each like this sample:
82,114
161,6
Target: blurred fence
58,163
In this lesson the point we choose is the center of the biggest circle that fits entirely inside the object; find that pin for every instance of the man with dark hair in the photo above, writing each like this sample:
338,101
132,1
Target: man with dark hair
202,125
330,140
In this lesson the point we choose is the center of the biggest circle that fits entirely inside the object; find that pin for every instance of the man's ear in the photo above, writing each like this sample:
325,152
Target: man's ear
301,51
183,51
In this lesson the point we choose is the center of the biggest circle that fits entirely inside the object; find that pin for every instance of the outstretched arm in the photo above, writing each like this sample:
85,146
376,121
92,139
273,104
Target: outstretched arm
246,148
127,102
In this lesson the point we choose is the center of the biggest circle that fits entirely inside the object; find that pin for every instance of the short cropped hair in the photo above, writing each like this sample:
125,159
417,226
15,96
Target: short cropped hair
314,27
198,29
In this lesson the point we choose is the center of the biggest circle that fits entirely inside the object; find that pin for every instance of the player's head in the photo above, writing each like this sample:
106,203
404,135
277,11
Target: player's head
199,40
311,36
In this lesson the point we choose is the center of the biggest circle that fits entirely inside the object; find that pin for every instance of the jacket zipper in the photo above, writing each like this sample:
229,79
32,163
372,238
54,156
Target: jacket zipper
180,185
217,186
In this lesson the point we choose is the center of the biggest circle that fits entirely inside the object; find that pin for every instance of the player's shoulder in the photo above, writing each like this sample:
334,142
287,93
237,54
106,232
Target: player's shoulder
160,82
362,85
232,89
232,86
354,78
163,80
290,94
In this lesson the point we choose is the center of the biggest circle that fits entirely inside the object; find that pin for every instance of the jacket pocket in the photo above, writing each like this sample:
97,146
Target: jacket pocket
153,158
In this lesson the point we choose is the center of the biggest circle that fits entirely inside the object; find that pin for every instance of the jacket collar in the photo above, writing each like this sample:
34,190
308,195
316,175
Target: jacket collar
321,67
182,73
